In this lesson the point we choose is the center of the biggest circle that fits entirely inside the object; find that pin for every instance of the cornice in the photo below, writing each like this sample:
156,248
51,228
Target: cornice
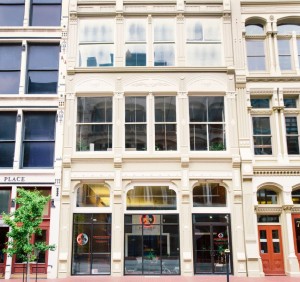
268,209
268,78
284,171
269,2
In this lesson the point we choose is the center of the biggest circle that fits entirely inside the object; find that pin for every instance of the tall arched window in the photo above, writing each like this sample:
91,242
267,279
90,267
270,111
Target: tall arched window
209,195
296,196
267,197
255,45
93,195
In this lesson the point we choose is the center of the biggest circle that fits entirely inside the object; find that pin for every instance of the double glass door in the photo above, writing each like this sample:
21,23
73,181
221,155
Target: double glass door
3,240
211,239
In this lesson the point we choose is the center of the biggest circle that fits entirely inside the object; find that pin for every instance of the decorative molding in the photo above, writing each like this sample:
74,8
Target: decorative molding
73,18
288,208
260,209
291,91
210,175
291,111
285,171
152,175
261,111
70,96
92,175
261,91
296,209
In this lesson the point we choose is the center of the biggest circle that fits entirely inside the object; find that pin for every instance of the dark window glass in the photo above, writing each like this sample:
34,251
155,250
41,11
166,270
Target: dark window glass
38,139
266,197
267,218
10,63
290,102
206,218
7,138
93,195
297,234
45,13
296,197
262,137
42,72
209,195
259,103
4,201
292,136
11,12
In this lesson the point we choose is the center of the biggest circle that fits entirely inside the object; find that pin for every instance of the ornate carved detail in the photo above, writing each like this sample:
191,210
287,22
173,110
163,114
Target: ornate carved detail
119,95
277,172
261,91
180,18
210,175
296,209
231,95
151,175
92,175
73,18
267,209
182,94
261,111
291,111
119,19
287,208
60,116
70,96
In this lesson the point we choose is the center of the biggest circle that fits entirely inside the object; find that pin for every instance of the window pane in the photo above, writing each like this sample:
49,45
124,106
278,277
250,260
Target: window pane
284,54
93,195
254,29
94,137
216,137
45,15
165,137
164,30
194,30
261,125
10,57
42,82
204,55
136,136
255,55
43,57
96,31
9,82
38,154
11,15
165,109
135,109
292,144
266,197
4,201
135,30
291,125
296,201
290,102
263,241
215,109
198,109
135,55
209,194
8,128
7,151
288,28
96,55
164,55
260,103
198,137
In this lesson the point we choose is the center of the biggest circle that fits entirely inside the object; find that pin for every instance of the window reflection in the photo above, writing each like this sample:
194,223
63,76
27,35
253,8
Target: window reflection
266,196
209,194
296,196
93,195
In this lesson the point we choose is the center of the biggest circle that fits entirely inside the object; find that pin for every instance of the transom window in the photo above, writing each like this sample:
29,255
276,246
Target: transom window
135,123
209,195
7,138
96,43
4,200
207,123
93,195
135,42
165,123
11,12
151,198
203,42
296,196
10,64
45,12
260,103
266,197
94,124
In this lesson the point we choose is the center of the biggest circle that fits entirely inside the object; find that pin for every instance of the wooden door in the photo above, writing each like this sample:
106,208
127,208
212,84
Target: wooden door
296,230
270,246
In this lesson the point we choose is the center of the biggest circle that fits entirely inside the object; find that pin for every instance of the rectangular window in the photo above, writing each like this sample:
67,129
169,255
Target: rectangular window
165,123
207,123
45,12
38,139
284,53
11,12
136,43
10,63
298,47
96,43
262,137
4,201
164,42
135,123
260,103
42,69
292,135
255,55
94,124
290,102
203,42
7,138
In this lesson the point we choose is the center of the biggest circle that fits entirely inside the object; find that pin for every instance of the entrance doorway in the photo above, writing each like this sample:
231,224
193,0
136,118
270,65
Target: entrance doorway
296,227
270,244
211,239
3,240
151,244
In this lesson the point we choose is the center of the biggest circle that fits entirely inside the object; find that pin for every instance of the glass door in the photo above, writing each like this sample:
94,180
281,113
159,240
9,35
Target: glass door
3,240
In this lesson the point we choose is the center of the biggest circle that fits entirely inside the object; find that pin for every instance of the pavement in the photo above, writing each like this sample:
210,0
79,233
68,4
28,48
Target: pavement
198,278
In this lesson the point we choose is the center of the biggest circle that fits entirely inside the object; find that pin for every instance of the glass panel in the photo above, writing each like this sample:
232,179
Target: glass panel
49,53
96,55
263,241
261,125
198,137
209,194
135,109
7,152
290,102
259,103
93,195
255,55
297,234
194,30
151,198
135,55
275,240
165,137
41,238
9,82
83,218
288,28
135,30
100,30
291,125
284,54
216,137
268,218
101,264
164,30
136,137
198,109
296,197
46,1
38,154
254,29
203,55
200,218
164,55
45,15
8,132
42,82
265,196
220,244
11,15
4,201
94,137
215,109
165,109
10,57
101,238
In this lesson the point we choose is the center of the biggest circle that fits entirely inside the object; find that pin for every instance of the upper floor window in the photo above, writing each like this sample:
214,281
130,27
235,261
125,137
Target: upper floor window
165,123
164,42
260,103
7,138
207,123
4,200
45,12
296,196
203,42
93,195
151,198
288,45
255,46
42,68
11,12
209,195
135,42
96,43
266,197
10,64
38,139
135,123
94,124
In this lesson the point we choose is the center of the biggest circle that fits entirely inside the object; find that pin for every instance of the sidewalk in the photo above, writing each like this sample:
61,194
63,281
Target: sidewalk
198,278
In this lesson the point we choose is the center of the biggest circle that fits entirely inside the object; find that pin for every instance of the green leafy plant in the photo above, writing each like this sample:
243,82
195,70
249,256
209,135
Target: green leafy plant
216,146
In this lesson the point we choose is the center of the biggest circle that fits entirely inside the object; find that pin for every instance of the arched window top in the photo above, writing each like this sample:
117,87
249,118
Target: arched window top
209,195
93,195
288,28
255,29
151,198
296,196
267,197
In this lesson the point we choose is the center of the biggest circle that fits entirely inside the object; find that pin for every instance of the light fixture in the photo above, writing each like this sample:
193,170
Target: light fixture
52,203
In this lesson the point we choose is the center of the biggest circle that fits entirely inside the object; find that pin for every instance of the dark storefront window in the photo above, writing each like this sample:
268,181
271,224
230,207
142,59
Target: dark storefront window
91,244
152,244
209,195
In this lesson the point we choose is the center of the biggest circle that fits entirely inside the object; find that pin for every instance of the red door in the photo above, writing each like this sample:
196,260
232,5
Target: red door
270,246
296,225
3,240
